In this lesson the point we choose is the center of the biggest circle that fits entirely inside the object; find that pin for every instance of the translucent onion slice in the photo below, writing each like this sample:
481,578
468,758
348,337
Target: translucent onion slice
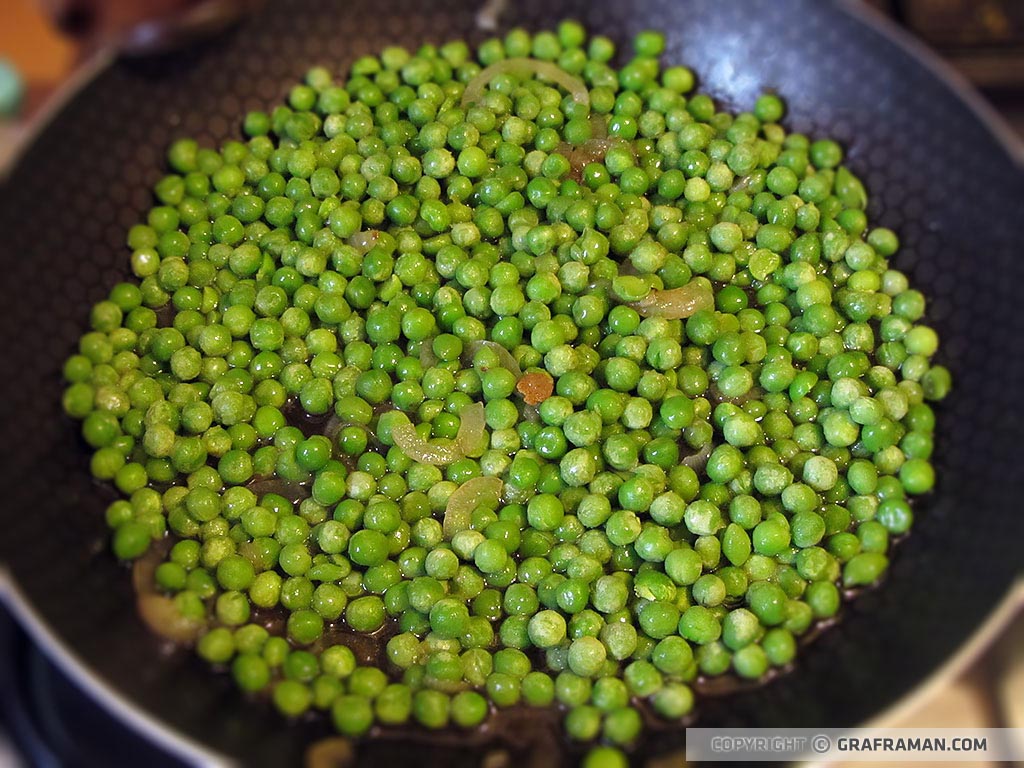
427,357
716,396
677,303
590,151
294,492
364,241
162,616
471,494
334,425
144,570
489,15
697,461
741,183
504,356
416,448
576,87
472,436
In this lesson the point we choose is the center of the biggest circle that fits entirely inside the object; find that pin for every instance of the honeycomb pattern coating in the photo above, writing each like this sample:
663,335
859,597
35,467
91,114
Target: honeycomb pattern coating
935,174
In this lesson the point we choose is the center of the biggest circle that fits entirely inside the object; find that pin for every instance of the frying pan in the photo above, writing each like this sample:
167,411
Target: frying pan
941,171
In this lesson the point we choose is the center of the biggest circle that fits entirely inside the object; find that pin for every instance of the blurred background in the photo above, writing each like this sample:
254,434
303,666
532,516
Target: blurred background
45,721
44,42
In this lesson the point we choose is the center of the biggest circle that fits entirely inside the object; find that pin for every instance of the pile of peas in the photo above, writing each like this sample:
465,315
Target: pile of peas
614,570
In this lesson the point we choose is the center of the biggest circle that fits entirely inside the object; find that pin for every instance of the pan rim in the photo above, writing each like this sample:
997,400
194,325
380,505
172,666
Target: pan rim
181,745
99,688
996,124
184,746
91,68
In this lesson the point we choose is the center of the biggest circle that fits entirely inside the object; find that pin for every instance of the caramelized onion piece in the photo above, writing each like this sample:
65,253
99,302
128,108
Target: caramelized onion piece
467,497
416,448
536,387
507,361
472,437
677,303
162,616
576,87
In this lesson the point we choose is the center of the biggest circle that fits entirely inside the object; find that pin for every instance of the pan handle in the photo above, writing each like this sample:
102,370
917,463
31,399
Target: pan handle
141,28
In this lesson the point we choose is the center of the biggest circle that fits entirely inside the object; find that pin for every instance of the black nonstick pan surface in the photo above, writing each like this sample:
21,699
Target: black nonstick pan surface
939,171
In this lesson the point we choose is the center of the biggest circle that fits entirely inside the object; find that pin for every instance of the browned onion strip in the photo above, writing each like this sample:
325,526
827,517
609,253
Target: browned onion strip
472,437
576,87
504,356
162,616
471,494
677,303
416,448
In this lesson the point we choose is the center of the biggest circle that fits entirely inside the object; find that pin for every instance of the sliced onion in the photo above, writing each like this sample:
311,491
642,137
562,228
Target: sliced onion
472,436
677,303
416,448
489,14
290,490
144,568
627,267
741,183
467,497
590,151
697,461
364,241
427,357
162,616
535,387
576,87
334,425
504,356
717,396
531,413
333,752
513,495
